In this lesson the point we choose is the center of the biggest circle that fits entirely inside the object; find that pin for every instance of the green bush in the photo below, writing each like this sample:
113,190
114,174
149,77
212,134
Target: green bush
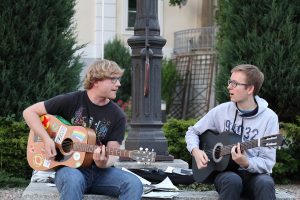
116,50
287,167
11,180
37,57
174,131
169,79
13,146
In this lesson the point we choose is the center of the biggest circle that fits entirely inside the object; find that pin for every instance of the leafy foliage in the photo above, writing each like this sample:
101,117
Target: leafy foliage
37,57
174,131
10,180
115,50
197,187
175,2
265,33
13,145
287,167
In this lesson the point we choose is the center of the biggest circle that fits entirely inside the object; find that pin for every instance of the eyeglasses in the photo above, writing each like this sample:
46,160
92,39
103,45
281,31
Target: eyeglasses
234,84
114,79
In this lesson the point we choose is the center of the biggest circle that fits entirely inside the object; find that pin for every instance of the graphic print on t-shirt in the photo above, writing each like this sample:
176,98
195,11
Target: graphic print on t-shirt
78,119
100,127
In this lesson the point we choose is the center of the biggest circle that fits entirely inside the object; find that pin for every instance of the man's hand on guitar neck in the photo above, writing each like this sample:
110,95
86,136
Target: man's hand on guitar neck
100,157
200,158
239,156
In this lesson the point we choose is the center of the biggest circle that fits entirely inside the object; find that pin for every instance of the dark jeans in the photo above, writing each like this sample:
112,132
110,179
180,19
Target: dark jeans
234,185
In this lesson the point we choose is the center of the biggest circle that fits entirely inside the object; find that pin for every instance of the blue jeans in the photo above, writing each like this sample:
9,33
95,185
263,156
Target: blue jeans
72,183
233,186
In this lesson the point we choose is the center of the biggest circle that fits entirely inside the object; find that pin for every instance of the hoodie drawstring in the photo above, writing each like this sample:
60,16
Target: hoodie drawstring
242,125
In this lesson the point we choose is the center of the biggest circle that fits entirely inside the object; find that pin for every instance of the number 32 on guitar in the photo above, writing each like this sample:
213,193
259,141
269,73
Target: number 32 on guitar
75,146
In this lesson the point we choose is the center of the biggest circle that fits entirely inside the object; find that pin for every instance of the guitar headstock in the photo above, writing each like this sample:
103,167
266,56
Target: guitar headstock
272,141
143,156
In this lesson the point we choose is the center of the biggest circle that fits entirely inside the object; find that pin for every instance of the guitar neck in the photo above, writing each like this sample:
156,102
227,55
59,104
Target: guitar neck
244,146
89,148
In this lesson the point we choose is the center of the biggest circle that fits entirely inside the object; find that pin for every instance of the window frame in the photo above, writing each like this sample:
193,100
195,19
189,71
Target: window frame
130,31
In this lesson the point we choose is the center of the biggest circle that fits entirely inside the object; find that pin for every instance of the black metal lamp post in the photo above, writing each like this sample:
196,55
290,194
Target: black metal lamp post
146,45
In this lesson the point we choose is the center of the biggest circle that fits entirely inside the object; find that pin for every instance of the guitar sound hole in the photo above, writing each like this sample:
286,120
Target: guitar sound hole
67,145
59,156
218,152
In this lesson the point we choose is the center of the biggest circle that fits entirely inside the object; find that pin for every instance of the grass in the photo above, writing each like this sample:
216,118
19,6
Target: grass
196,187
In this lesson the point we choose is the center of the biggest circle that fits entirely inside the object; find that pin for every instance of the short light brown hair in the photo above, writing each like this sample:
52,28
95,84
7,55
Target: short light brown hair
100,70
253,76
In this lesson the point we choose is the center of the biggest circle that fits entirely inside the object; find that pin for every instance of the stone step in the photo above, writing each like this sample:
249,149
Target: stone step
37,191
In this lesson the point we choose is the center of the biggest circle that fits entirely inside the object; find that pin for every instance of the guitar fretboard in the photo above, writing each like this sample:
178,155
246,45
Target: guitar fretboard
225,150
91,148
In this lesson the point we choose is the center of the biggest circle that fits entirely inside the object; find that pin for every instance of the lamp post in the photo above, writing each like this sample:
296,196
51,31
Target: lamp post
146,44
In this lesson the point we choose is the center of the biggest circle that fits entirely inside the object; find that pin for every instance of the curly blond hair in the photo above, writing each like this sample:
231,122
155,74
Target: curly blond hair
100,70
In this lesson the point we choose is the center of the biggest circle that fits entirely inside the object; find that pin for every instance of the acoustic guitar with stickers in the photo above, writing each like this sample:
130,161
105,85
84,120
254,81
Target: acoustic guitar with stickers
74,145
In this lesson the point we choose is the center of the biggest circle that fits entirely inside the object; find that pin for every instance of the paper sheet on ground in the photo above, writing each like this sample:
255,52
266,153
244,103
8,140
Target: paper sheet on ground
164,189
165,185
144,181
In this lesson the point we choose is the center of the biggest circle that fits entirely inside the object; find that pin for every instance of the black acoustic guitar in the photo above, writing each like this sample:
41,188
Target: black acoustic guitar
218,149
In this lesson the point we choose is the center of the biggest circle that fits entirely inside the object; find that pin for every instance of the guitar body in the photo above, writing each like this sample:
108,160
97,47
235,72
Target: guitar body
75,146
212,142
64,137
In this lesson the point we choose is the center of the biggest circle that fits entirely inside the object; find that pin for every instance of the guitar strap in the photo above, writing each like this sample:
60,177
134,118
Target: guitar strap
233,125
63,120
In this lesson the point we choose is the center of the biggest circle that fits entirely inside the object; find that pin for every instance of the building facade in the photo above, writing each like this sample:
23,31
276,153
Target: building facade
99,21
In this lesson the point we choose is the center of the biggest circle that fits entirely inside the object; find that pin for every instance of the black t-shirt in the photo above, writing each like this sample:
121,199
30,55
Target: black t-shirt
108,121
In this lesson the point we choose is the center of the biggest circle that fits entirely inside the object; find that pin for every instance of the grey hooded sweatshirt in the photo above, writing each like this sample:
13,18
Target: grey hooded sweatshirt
227,117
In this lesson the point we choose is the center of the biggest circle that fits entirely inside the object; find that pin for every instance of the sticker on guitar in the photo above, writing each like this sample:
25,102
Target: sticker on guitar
60,134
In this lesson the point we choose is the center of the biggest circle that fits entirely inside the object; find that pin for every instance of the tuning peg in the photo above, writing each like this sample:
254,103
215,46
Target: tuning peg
152,150
146,149
141,148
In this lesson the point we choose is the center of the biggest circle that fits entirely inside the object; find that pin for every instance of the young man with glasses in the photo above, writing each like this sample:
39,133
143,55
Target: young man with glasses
91,108
248,116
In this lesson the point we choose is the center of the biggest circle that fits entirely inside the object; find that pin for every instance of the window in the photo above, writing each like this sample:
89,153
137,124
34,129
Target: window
131,14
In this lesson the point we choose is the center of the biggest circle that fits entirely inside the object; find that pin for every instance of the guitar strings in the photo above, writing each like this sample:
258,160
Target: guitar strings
219,149
226,149
89,147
